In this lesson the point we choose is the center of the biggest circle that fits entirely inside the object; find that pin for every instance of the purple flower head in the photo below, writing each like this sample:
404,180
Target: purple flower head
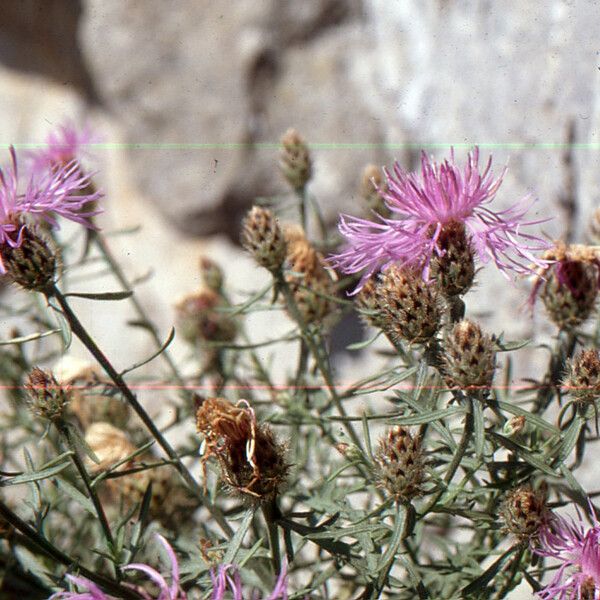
58,192
166,591
63,145
578,553
228,578
423,204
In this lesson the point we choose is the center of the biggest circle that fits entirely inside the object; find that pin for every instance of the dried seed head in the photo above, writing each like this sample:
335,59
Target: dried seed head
368,301
252,461
263,238
110,445
34,264
372,185
411,307
455,269
469,357
48,399
582,379
525,511
295,161
569,294
170,501
310,282
199,318
211,273
89,402
400,464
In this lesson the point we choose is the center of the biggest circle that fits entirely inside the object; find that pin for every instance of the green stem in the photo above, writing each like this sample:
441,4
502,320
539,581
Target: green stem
45,547
271,513
77,462
78,329
323,368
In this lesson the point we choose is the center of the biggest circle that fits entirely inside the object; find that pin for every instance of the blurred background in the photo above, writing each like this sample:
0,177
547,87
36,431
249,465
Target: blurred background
191,97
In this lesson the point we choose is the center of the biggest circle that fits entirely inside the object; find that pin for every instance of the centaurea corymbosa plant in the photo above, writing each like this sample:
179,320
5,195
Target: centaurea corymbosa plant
450,504
424,206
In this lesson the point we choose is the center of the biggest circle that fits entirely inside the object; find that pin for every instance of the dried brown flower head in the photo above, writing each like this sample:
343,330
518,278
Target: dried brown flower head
48,399
525,511
252,461
295,161
263,238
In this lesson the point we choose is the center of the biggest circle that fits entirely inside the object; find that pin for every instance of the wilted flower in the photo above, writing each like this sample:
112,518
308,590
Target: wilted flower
425,205
57,192
167,592
228,578
578,552
63,145
252,460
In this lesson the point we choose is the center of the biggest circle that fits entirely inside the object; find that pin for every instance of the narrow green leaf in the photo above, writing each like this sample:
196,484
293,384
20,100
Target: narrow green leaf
77,496
235,543
523,453
364,344
29,338
489,574
479,427
101,295
164,346
35,475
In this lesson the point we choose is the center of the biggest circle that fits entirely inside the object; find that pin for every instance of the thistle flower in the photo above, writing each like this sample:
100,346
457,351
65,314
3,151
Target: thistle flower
223,580
578,551
425,206
93,592
64,145
60,192
48,399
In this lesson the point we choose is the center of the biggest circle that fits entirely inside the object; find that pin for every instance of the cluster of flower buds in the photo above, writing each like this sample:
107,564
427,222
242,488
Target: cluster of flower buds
202,316
252,460
310,282
469,358
400,464
263,238
525,512
295,161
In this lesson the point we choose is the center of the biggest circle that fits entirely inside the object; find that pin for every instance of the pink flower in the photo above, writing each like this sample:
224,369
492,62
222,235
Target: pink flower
93,592
228,578
423,204
56,192
63,145
578,552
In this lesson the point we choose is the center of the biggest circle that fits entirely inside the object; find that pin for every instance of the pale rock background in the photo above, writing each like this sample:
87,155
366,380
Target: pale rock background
191,98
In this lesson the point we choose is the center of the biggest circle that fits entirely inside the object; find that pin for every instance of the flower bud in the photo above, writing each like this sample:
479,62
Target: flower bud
582,379
307,277
514,425
211,273
469,357
400,464
411,307
454,270
294,160
48,399
569,293
252,461
525,511
199,318
372,185
33,264
263,238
